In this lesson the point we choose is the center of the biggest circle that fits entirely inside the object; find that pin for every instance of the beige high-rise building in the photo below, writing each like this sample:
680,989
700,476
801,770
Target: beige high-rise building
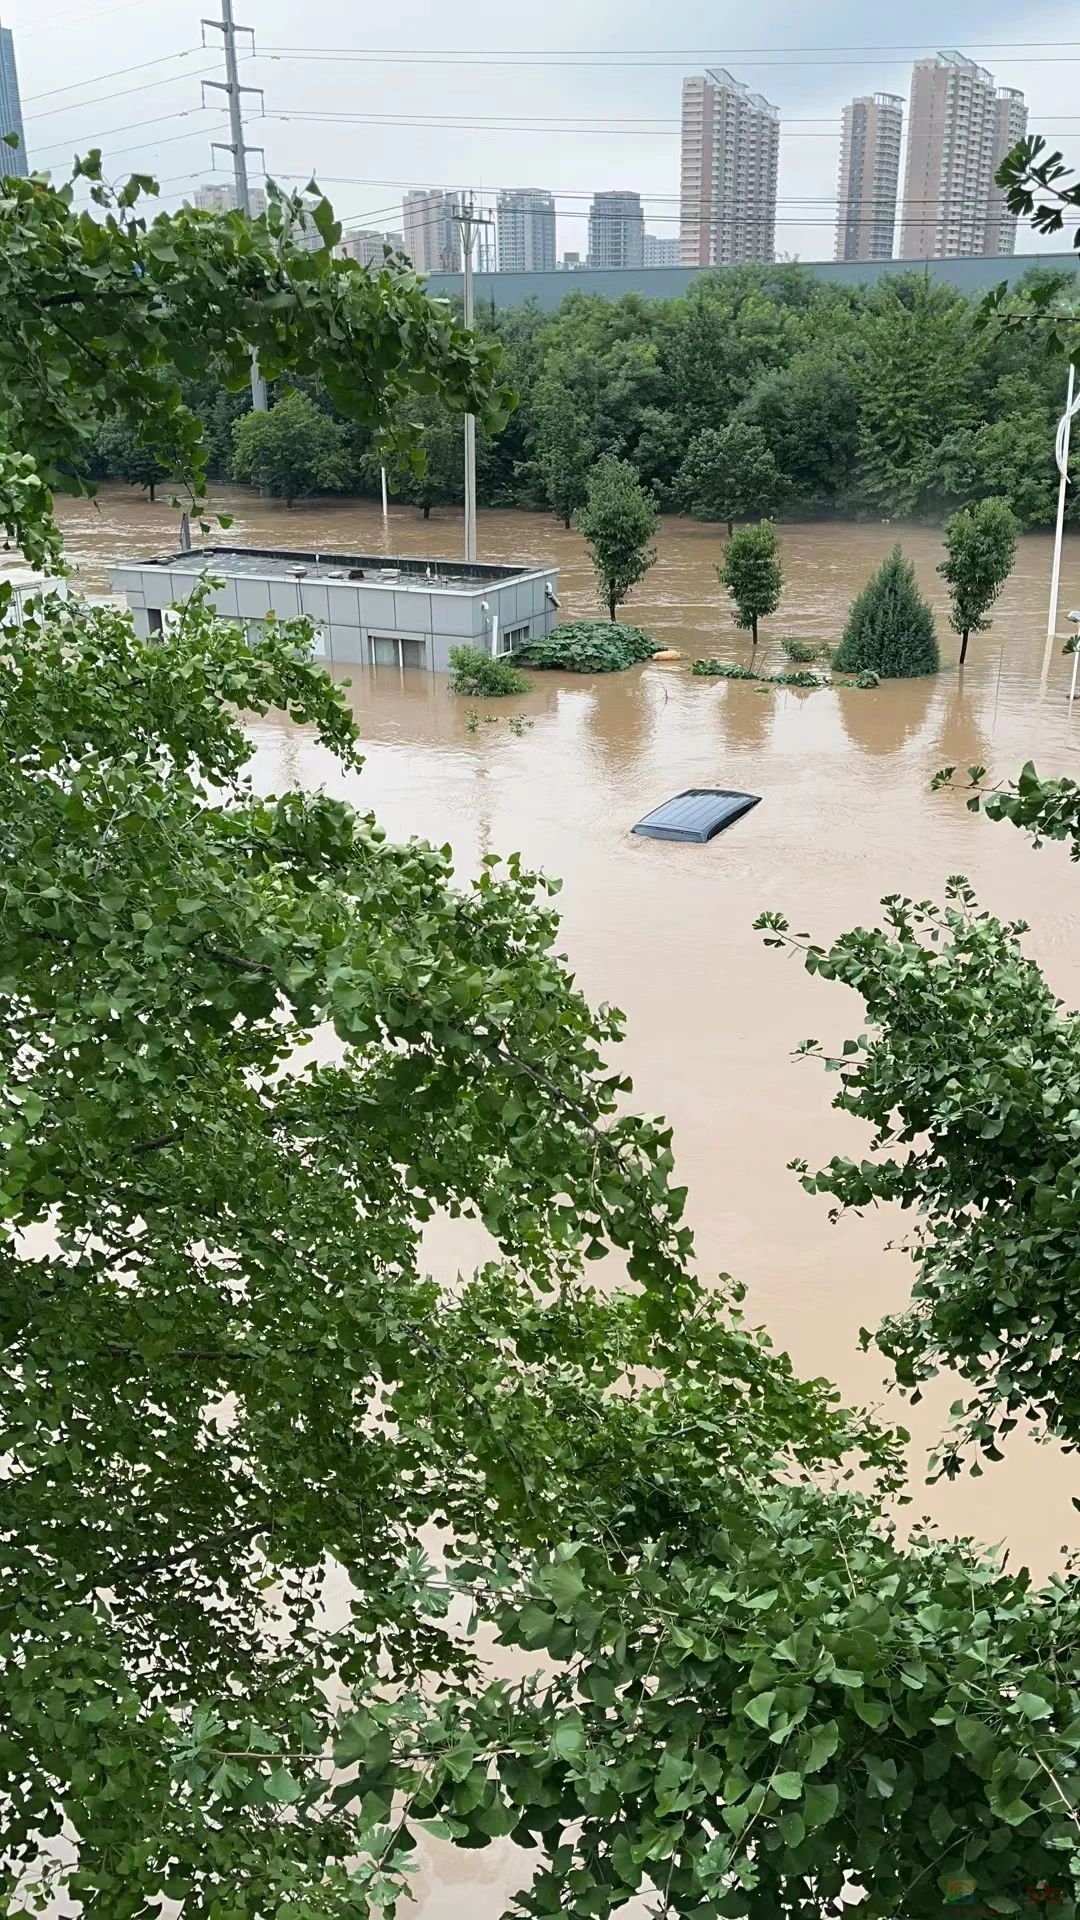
1010,126
432,239
219,199
959,128
369,248
730,157
869,177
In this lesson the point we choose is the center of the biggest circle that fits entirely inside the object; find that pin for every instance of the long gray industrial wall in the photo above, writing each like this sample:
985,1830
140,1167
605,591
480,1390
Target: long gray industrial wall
549,290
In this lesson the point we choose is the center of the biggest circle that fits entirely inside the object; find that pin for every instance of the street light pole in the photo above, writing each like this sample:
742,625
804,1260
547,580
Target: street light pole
1064,434
470,223
470,419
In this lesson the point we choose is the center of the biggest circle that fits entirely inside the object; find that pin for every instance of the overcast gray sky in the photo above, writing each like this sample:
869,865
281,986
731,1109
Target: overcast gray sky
618,114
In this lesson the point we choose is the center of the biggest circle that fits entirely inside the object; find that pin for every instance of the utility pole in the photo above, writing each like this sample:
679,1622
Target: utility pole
469,223
227,27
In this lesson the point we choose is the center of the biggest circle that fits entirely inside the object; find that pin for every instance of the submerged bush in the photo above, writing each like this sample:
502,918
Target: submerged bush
890,628
589,646
480,673
799,652
723,670
798,678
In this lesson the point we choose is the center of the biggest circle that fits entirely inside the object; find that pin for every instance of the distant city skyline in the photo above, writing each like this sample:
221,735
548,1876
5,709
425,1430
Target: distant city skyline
65,108
959,126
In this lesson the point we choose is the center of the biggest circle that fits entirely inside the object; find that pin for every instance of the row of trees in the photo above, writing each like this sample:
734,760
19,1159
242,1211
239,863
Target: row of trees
761,391
890,627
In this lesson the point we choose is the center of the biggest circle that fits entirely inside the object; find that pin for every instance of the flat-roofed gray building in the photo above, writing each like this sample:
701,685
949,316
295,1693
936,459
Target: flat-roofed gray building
369,609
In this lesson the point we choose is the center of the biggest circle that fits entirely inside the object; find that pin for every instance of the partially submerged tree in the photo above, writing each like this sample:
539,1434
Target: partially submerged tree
564,453
123,458
437,479
729,474
890,628
618,522
980,550
752,572
292,449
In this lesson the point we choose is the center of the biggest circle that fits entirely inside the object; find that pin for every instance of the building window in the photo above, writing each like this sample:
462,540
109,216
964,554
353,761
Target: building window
512,637
389,651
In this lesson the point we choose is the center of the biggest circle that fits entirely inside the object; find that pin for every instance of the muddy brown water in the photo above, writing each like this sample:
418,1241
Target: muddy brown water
665,931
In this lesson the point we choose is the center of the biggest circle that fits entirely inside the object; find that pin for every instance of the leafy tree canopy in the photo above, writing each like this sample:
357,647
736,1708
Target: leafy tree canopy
119,455
228,1373
227,1367
618,521
292,449
106,312
729,474
751,571
564,452
980,549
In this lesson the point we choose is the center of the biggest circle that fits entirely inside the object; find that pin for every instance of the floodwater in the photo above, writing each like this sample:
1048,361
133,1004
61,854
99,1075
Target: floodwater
665,931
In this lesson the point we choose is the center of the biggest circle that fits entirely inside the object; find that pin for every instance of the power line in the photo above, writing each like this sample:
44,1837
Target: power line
629,121
189,133
155,120
705,53
677,200
60,19
117,73
483,58
122,93
553,124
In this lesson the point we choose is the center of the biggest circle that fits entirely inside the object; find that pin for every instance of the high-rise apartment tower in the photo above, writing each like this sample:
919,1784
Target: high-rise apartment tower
221,199
12,159
730,156
1010,126
616,230
525,223
368,247
869,177
960,127
432,240
661,250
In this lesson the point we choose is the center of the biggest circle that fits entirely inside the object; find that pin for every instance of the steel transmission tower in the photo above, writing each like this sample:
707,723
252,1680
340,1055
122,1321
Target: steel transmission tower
228,29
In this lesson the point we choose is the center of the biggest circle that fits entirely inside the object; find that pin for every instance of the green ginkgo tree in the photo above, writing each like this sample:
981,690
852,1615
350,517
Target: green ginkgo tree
281,1510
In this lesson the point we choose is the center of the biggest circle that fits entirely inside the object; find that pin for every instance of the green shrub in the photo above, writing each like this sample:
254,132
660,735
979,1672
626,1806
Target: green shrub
799,652
735,670
723,670
479,674
890,628
589,646
867,678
